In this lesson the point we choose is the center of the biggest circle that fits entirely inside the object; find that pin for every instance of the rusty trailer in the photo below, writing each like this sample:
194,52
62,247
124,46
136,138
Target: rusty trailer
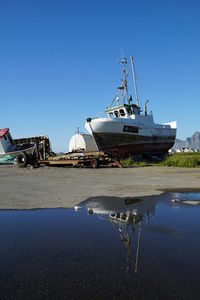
81,159
42,155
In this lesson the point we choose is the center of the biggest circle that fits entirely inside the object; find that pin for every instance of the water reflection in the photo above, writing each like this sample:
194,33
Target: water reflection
128,214
186,198
112,248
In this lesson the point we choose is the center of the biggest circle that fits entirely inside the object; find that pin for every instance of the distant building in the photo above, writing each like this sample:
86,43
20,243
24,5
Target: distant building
182,150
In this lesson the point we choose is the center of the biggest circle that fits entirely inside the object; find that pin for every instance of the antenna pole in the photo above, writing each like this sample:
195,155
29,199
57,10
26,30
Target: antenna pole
134,80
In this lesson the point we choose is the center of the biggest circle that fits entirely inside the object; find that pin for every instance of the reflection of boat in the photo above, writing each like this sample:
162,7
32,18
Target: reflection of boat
125,131
126,215
111,205
8,146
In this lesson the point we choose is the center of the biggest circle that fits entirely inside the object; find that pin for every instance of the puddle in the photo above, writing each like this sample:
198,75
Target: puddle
108,248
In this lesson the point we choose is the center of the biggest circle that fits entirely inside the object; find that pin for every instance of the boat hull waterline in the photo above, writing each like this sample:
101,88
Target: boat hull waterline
110,137
121,145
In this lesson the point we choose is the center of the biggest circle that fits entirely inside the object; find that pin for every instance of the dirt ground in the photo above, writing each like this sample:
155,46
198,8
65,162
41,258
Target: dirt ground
48,187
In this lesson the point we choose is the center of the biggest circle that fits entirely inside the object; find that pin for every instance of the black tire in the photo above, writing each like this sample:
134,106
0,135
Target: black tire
31,159
22,160
94,163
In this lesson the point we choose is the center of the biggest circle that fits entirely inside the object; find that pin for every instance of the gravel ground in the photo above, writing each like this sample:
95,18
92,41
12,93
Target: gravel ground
48,187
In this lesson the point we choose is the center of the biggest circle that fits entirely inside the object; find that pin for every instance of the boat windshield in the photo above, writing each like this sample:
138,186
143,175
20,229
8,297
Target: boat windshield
116,113
122,112
111,115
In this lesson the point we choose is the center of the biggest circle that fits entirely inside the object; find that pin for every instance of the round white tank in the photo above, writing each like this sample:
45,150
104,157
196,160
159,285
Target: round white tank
82,142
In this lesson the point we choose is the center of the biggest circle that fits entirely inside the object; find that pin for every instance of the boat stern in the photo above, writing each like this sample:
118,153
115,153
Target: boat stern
173,124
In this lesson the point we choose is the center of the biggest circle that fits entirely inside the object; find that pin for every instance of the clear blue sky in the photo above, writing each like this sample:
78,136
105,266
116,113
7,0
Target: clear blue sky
59,62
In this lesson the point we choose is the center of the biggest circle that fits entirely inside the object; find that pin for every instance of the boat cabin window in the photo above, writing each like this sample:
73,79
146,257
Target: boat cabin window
5,137
116,113
122,112
111,115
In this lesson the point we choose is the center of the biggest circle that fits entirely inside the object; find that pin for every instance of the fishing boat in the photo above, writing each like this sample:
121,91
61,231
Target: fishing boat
9,147
126,130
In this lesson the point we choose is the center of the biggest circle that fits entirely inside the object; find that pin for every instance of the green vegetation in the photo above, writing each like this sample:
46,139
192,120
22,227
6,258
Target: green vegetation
188,160
130,162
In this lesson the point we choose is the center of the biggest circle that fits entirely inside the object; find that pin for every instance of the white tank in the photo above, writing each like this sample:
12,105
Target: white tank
82,141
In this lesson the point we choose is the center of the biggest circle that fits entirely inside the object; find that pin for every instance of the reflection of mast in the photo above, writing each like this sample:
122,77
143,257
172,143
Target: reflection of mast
123,224
126,238
138,246
127,241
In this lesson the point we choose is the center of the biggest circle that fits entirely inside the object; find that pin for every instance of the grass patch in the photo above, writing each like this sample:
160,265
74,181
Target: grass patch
130,162
187,160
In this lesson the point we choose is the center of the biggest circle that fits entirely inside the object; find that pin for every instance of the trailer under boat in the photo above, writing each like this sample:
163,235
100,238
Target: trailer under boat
43,155
81,159
36,151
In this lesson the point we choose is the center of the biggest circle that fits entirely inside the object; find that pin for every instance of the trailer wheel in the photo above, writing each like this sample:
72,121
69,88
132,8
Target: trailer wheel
31,159
22,160
94,163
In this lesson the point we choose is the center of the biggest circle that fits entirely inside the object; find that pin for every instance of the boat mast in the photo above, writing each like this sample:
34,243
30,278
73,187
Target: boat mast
134,80
124,85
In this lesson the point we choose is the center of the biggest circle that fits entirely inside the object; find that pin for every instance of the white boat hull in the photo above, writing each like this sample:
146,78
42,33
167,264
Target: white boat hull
125,136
